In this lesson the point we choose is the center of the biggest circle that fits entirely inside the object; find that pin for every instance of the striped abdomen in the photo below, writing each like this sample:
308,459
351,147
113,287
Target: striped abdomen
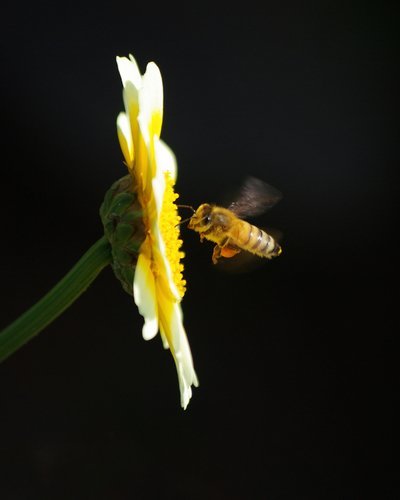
255,240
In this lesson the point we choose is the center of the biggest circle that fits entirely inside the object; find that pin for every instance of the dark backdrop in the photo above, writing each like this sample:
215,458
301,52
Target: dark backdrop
295,398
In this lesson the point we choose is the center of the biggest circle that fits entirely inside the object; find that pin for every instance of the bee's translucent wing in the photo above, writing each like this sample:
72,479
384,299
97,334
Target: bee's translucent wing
254,198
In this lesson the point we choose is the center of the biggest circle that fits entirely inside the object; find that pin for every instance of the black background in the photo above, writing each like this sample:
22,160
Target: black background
296,382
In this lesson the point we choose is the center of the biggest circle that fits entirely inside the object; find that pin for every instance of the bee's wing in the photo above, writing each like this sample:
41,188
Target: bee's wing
254,198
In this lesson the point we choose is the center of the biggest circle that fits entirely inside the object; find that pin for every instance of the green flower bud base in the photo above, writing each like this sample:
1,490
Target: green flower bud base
122,218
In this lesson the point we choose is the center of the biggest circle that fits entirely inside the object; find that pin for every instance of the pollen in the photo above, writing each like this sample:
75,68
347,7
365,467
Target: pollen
169,226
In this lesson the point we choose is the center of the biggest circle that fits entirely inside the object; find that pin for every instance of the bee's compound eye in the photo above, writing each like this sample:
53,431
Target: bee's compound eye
207,219
205,215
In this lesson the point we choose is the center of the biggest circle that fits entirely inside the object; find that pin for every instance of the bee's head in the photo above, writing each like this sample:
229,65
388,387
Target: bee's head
201,220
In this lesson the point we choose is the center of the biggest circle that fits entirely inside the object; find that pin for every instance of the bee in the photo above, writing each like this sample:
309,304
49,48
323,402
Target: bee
226,227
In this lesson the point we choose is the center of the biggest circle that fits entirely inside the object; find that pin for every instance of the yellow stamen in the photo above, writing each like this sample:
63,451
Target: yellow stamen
169,226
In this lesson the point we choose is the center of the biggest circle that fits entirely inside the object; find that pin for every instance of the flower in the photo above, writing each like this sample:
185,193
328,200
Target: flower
158,285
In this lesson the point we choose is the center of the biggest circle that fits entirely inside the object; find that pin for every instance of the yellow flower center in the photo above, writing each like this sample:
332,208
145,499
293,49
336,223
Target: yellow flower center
169,227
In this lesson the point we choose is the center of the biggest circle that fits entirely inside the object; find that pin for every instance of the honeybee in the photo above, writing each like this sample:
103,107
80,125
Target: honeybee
226,227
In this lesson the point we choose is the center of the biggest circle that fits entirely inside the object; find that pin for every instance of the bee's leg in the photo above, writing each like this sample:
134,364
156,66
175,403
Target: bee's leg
216,254
219,250
202,237
224,242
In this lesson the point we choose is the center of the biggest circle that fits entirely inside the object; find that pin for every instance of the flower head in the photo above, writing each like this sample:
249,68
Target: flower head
158,285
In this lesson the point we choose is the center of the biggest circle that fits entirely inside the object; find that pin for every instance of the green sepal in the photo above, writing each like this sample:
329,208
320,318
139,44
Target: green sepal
122,218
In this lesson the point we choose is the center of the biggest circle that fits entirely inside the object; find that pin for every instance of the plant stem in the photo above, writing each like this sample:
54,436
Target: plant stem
59,298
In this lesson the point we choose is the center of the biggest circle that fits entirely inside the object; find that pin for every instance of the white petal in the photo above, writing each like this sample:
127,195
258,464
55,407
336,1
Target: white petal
131,102
153,88
158,185
165,158
183,357
125,138
164,338
166,161
129,71
144,293
151,103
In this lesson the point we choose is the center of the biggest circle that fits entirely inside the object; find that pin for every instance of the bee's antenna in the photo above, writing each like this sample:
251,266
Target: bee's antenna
183,221
190,208
187,206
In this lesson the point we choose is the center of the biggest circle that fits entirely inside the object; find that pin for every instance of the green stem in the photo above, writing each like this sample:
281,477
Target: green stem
56,300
